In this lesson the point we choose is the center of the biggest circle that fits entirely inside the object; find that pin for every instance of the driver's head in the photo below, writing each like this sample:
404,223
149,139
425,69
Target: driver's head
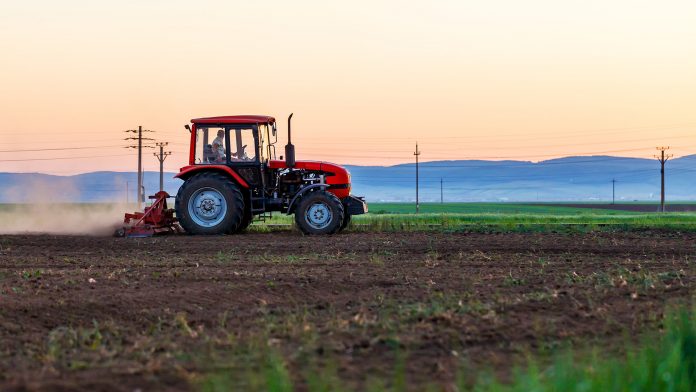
221,133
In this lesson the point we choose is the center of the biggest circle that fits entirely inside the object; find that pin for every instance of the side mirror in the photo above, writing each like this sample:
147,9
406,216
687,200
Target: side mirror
188,127
274,130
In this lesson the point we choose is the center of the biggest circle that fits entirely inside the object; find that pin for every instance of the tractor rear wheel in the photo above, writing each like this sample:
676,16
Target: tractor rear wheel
346,221
319,212
209,203
246,221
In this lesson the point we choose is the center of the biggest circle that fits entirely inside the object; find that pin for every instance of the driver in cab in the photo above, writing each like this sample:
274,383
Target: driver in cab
219,146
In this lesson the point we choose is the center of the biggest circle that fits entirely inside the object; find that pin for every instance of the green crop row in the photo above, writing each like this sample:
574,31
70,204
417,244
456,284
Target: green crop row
660,362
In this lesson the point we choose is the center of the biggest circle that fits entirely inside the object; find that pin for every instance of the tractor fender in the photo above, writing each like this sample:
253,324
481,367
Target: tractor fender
188,171
302,192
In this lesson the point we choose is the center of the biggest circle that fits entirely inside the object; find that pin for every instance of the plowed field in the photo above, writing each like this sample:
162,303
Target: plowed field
100,313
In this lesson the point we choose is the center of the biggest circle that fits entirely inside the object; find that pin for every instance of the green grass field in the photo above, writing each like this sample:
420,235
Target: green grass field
500,217
484,208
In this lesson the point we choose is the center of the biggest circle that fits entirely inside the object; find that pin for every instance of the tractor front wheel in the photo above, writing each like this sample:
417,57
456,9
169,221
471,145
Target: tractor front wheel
319,212
209,203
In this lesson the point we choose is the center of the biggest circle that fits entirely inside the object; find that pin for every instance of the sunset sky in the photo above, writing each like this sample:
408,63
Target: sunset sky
528,80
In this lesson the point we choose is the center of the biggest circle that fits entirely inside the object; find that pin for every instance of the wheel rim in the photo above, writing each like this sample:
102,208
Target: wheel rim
207,207
318,215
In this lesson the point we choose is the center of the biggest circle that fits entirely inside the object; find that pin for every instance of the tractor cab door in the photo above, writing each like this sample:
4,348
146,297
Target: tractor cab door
243,153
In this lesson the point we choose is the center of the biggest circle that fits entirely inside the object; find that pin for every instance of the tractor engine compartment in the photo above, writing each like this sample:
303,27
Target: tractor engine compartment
289,182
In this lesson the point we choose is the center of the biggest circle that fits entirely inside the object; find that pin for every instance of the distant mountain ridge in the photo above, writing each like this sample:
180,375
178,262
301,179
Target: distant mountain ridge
563,179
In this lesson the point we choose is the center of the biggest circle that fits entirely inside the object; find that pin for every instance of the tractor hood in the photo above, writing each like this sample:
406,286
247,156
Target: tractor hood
337,176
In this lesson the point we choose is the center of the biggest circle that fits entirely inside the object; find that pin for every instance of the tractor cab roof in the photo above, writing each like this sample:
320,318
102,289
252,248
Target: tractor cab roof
244,119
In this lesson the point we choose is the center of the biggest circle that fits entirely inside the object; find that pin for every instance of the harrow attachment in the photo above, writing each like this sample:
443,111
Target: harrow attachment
156,219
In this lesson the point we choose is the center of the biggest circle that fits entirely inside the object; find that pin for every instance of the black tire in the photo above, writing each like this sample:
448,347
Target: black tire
225,192
246,221
346,221
326,212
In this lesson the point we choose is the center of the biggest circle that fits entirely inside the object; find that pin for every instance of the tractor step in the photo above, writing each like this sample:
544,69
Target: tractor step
258,204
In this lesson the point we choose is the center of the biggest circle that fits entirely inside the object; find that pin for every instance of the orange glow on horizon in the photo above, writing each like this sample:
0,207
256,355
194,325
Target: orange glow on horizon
366,80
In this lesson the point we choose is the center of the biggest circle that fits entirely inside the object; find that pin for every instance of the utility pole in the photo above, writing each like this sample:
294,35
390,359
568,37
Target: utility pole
161,157
613,191
140,138
417,153
442,198
662,158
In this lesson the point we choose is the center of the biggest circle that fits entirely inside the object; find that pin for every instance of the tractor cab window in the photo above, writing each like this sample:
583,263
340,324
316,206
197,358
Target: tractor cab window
210,145
264,143
242,145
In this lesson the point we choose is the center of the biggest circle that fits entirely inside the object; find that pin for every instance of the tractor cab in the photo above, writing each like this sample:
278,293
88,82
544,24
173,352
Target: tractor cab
233,176
242,142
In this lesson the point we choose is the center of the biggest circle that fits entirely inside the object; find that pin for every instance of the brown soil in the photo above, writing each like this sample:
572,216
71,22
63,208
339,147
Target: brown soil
92,313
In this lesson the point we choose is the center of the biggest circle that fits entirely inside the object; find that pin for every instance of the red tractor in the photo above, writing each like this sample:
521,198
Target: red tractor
233,177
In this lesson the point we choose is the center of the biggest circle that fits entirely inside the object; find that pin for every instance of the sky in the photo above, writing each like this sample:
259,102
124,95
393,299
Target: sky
366,80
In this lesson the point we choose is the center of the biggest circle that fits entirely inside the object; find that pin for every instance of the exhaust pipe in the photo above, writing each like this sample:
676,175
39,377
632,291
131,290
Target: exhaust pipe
289,148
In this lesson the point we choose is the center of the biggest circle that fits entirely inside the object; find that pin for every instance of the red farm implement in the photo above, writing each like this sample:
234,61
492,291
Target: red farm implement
156,219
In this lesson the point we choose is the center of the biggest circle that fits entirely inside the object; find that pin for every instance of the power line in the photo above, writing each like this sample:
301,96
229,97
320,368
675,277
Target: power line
64,158
417,154
139,146
525,175
363,156
496,164
576,180
161,157
449,140
578,154
64,140
59,149
662,158
442,197
312,142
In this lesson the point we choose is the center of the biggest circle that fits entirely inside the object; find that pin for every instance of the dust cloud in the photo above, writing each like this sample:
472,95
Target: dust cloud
51,208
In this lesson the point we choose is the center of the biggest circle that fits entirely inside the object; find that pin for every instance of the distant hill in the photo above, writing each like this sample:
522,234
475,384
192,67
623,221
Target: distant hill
564,179
102,186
